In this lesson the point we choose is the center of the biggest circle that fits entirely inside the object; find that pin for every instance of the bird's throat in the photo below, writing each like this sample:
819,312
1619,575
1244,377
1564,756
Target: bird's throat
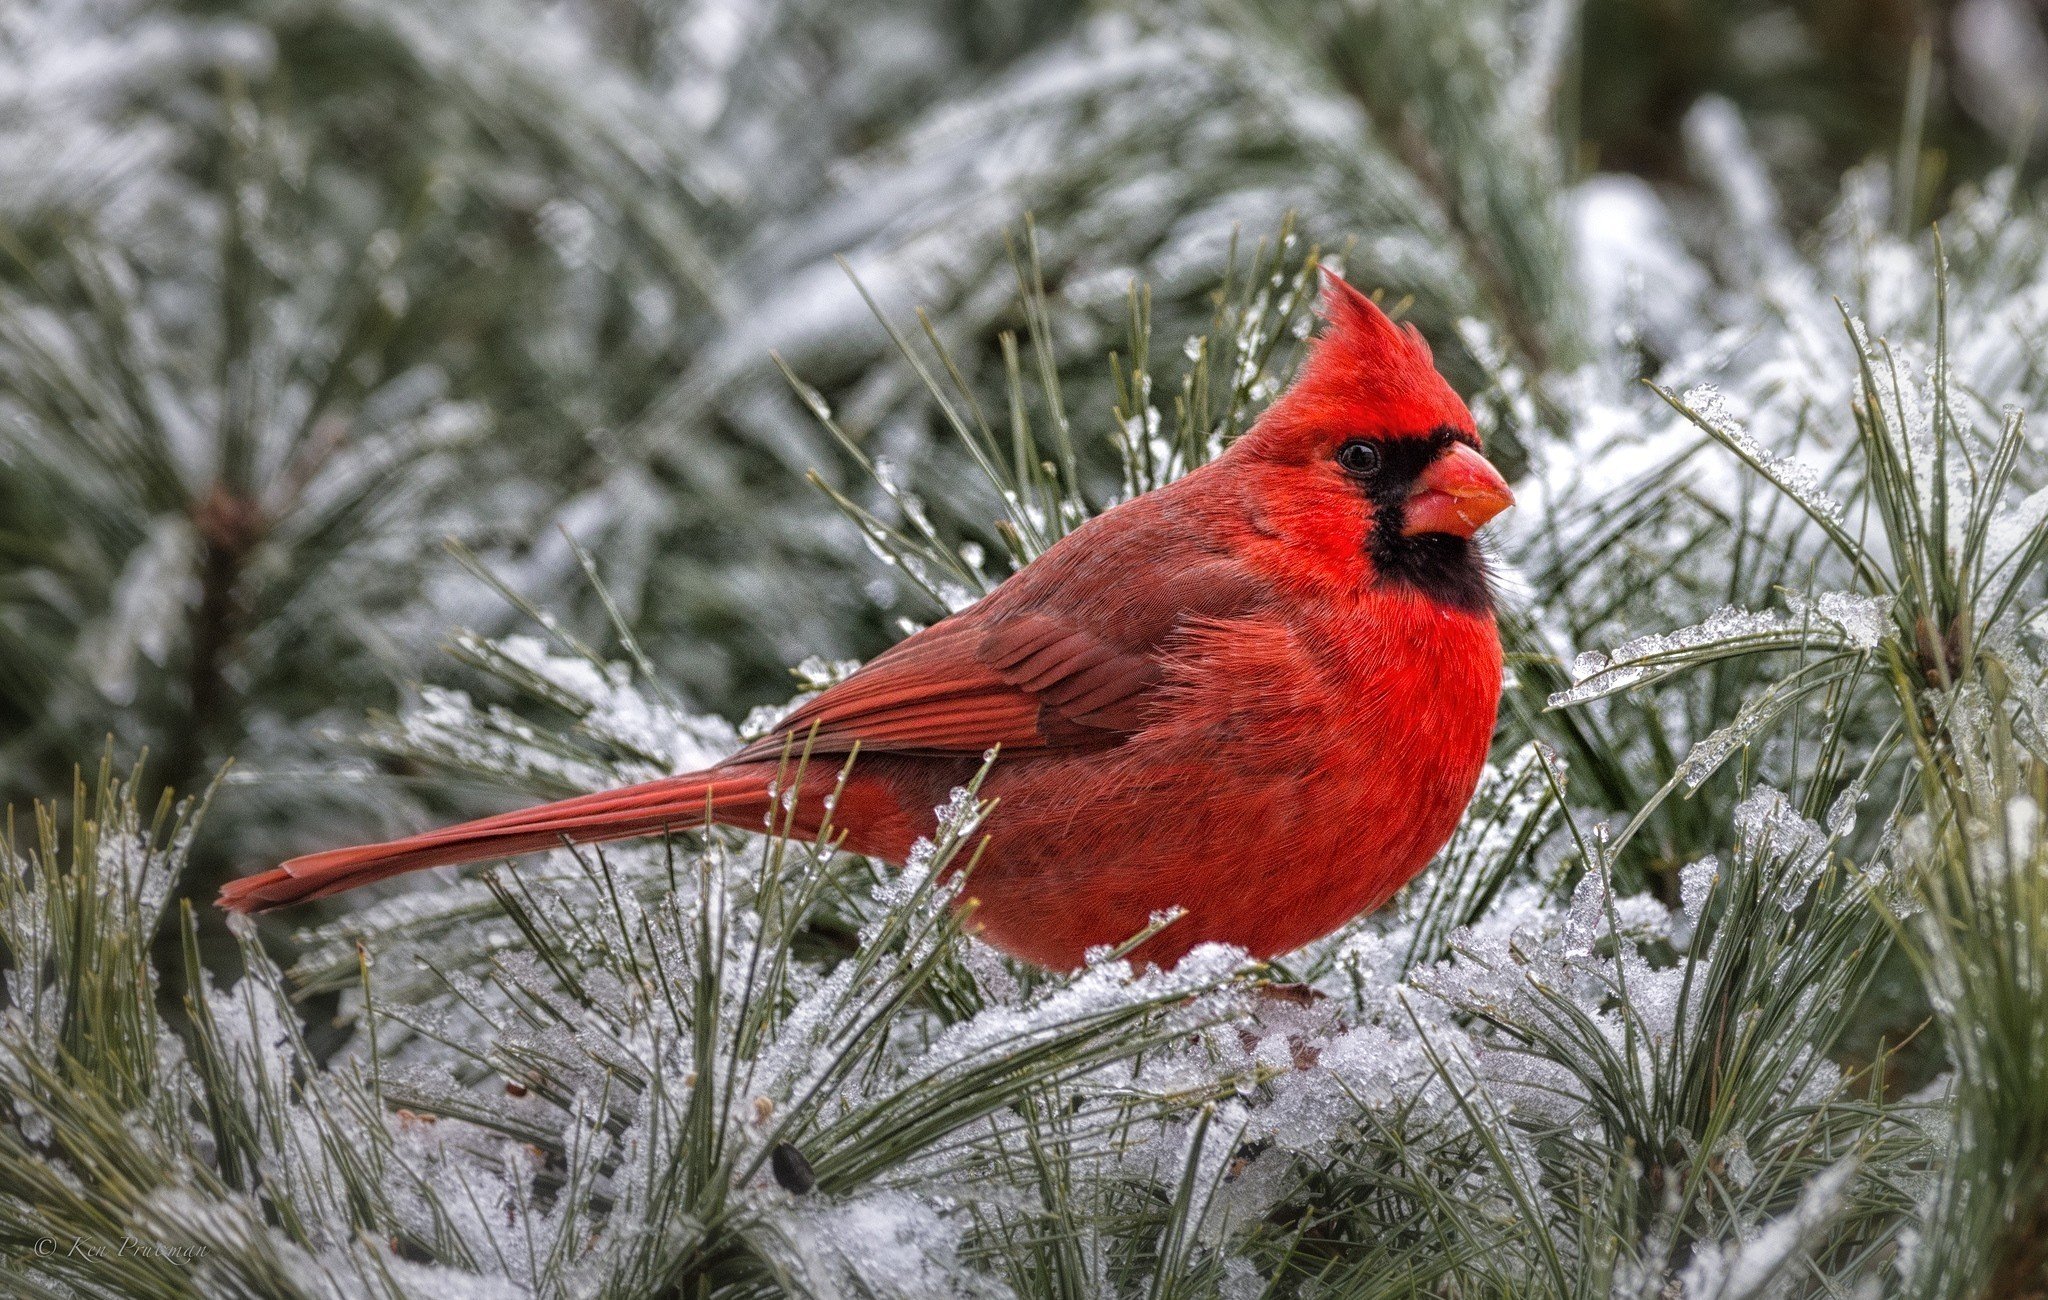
1449,570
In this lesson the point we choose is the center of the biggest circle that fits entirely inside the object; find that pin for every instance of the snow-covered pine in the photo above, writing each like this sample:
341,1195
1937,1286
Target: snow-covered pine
1614,1043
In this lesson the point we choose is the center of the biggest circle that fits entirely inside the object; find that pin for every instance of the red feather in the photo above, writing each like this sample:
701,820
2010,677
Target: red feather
1203,698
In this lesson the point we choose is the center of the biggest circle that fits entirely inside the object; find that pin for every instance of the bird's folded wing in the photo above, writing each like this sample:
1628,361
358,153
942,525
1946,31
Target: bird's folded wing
1020,671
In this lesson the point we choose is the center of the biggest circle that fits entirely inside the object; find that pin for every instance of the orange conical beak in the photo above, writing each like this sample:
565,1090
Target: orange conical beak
1457,494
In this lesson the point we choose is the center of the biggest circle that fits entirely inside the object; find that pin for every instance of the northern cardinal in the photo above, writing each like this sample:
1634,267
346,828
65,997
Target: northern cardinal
1262,694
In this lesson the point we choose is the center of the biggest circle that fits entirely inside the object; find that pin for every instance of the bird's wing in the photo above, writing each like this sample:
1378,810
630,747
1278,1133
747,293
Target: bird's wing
1065,659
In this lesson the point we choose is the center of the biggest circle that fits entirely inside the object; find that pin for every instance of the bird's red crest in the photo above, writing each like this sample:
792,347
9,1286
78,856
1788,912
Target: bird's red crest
1365,375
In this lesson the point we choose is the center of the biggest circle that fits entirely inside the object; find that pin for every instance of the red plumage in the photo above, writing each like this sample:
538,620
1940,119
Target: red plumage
1263,694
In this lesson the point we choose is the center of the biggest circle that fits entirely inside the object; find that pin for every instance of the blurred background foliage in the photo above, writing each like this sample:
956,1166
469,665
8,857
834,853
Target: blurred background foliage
298,292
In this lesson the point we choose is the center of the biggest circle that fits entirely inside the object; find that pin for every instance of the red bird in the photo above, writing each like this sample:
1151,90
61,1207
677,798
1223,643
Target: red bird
1262,693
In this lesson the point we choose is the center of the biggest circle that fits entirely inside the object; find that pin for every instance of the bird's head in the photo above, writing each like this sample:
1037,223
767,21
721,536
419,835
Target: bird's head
1369,453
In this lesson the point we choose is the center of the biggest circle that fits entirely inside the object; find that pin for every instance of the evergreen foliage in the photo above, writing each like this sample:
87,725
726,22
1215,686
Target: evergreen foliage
1734,982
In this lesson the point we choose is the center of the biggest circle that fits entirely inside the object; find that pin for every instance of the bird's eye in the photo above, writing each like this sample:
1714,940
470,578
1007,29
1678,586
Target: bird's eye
1359,458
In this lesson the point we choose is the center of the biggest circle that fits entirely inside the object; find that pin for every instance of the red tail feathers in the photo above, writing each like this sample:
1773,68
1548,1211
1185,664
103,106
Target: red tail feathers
734,797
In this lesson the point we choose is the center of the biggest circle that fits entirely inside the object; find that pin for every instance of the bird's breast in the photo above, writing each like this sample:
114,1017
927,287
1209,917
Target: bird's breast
1407,712
1292,775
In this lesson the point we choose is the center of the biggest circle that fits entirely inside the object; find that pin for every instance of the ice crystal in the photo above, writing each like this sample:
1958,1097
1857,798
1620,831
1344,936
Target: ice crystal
1706,757
1862,620
1738,1271
1638,660
1794,477
1797,849
1695,884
